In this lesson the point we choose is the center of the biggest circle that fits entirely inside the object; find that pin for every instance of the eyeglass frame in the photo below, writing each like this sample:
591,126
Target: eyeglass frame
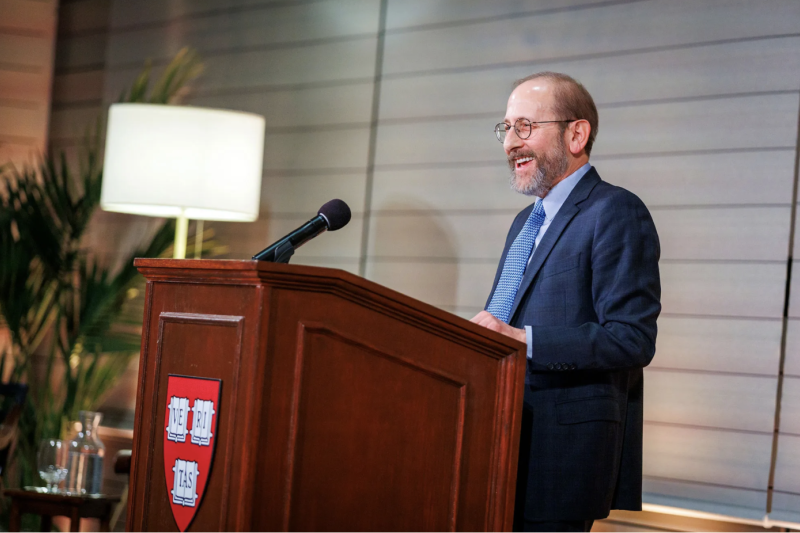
531,122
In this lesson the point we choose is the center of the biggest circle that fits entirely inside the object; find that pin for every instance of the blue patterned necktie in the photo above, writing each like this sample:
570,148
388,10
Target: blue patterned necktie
514,267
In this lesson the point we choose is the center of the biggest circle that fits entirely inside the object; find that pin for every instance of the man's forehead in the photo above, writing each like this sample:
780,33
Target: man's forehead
530,96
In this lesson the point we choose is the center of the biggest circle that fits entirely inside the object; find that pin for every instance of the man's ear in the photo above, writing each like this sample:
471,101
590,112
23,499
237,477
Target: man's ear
577,135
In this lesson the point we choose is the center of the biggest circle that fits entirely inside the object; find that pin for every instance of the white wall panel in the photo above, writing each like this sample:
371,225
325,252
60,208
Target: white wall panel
406,13
709,498
304,194
724,345
312,64
727,233
478,188
786,506
313,107
320,150
711,400
723,289
606,30
792,362
729,68
747,122
435,234
728,458
125,13
790,406
449,285
744,178
242,30
787,471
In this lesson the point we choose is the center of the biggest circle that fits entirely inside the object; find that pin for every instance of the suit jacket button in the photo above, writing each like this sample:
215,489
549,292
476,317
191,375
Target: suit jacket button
549,366
558,366
573,366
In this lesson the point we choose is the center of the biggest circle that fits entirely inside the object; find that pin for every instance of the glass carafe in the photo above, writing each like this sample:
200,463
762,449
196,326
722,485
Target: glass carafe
86,452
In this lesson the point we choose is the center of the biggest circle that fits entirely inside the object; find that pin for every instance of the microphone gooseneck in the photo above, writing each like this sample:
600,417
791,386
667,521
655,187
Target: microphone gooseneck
333,215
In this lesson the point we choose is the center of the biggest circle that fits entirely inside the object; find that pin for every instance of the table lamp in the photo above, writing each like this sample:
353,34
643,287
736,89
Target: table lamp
183,162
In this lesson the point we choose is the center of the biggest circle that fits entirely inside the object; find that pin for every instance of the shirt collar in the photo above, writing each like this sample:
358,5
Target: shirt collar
558,194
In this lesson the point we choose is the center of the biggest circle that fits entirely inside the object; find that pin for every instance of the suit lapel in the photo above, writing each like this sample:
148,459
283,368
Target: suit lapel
562,219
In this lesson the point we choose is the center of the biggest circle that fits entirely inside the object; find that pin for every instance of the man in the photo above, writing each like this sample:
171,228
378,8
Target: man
578,282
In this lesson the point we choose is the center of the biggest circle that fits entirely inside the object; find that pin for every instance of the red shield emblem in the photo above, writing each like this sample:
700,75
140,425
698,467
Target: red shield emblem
189,437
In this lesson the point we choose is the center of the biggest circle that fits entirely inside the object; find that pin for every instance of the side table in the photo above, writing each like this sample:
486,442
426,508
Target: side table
48,505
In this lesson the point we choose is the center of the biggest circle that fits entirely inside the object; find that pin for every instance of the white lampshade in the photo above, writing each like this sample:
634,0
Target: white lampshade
178,161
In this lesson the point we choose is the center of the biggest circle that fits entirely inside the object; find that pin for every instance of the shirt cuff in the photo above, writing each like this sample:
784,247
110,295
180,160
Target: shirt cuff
529,340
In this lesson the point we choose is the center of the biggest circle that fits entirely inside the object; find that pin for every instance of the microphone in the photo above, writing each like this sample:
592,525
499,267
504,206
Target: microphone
333,215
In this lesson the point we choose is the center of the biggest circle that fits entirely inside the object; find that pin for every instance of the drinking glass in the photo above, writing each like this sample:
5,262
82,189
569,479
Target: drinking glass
52,461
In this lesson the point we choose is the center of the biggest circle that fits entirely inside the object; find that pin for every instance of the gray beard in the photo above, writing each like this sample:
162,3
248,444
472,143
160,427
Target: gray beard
549,167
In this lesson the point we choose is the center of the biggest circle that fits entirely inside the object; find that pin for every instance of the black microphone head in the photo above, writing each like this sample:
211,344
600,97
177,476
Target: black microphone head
336,213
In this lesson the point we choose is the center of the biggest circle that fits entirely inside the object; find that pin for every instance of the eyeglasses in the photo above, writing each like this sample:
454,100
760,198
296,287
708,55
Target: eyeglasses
523,127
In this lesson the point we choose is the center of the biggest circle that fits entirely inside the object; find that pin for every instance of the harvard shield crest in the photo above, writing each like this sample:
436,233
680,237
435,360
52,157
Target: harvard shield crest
189,437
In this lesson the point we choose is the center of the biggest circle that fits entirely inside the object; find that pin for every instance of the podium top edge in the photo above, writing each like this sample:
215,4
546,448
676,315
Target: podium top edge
254,272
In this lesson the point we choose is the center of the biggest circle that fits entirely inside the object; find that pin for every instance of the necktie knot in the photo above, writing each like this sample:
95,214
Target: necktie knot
514,266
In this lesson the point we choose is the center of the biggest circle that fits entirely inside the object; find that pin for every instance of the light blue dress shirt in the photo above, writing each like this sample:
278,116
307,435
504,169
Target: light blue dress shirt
552,203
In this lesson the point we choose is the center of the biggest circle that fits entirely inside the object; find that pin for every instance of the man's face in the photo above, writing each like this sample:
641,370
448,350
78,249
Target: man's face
539,161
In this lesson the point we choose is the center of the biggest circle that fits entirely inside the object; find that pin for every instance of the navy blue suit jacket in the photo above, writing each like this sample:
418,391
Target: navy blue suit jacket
591,294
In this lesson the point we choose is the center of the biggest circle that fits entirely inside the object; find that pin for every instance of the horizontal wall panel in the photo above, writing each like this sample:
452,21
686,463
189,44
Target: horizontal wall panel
724,124
29,51
792,362
710,400
744,503
19,154
704,71
27,16
473,188
405,13
723,289
81,51
790,406
747,122
705,179
247,70
321,150
723,345
126,14
727,233
310,107
20,122
27,86
242,30
437,235
303,195
607,30
73,123
84,16
785,506
787,468
78,86
441,284
726,458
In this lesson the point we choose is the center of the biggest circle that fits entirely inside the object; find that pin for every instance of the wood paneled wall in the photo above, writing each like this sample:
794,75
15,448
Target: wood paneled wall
390,105
27,38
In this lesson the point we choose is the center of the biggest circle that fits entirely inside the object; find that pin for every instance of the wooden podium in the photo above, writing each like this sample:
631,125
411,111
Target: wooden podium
343,405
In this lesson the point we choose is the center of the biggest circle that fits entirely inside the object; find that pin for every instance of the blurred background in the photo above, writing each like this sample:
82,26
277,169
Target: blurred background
390,105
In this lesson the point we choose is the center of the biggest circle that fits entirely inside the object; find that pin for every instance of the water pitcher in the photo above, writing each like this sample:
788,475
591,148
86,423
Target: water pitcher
86,452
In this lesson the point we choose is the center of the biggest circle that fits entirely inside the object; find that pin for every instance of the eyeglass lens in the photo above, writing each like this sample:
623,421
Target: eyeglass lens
522,127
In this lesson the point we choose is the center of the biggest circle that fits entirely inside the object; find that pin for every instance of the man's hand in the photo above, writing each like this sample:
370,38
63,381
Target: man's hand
488,320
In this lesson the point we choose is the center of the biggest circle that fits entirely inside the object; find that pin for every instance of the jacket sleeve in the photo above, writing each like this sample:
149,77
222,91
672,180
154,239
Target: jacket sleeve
626,293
